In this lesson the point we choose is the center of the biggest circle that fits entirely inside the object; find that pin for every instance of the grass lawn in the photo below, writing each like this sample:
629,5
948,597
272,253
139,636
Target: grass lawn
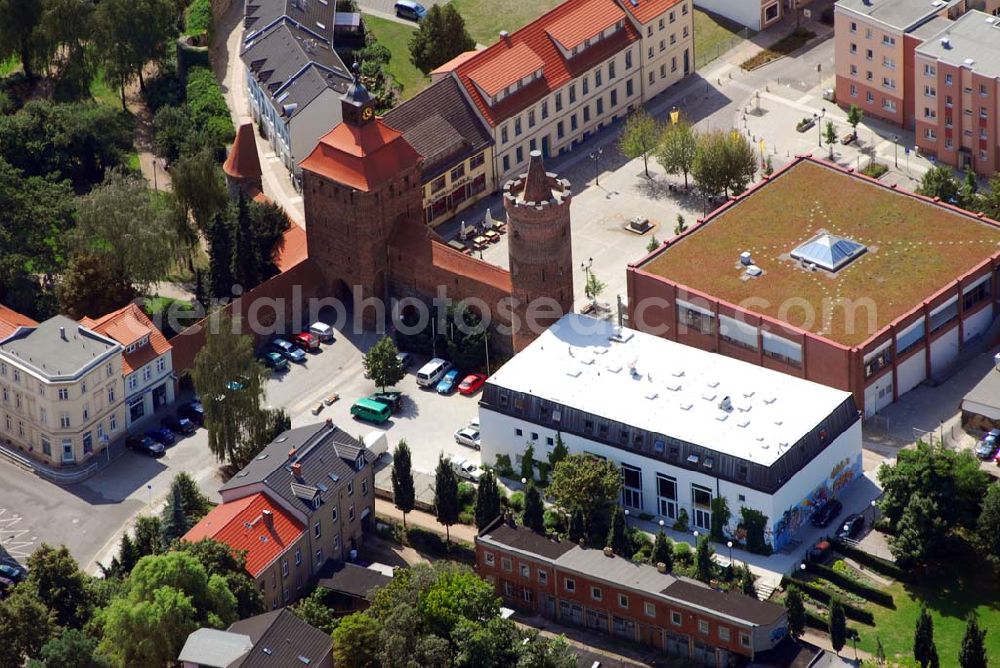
484,19
8,66
713,36
103,93
396,37
779,49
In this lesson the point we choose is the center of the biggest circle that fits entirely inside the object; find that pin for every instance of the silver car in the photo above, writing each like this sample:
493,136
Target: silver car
468,436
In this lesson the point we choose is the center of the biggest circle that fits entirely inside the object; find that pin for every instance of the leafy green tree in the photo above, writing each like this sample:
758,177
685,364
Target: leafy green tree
403,492
131,33
988,526
663,551
487,500
594,286
446,507
528,463
704,565
939,181
830,136
653,244
19,31
534,509
126,559
538,651
619,539
577,525
973,651
681,225
195,504
439,37
854,116
71,649
747,585
924,649
970,186
989,201
677,149
174,523
920,532
91,287
724,163
754,523
495,643
838,625
559,451
220,256
720,518
231,565
200,188
148,536
590,484
796,612
27,625
173,128
60,584
381,364
147,632
315,611
640,136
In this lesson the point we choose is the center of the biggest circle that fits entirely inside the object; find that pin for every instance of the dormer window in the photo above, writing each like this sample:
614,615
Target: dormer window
359,463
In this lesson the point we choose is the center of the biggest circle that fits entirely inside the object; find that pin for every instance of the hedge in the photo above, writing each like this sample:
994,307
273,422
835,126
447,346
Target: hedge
877,564
198,18
850,584
189,57
208,105
822,596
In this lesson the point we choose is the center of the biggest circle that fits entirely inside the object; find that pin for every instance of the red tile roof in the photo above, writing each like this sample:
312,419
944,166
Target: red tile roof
293,248
506,68
10,320
363,157
454,262
454,62
242,161
646,10
556,71
587,20
241,525
126,326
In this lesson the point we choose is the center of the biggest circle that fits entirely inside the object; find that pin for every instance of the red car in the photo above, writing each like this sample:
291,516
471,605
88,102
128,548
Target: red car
471,383
306,341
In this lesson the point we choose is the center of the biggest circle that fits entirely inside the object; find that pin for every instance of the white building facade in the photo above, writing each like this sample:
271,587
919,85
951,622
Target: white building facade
684,425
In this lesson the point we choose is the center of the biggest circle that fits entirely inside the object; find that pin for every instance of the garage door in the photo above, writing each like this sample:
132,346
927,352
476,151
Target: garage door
944,351
878,395
912,372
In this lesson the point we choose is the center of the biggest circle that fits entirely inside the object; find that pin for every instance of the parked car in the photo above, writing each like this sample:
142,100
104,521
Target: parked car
193,411
466,469
164,436
847,138
819,551
306,341
5,586
145,445
288,351
274,361
406,359
471,383
14,573
827,513
391,399
377,443
447,384
178,425
408,9
322,331
988,446
851,526
468,436
371,411
430,373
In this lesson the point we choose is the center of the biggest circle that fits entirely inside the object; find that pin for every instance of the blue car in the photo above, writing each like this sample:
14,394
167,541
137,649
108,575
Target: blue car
164,436
288,351
447,384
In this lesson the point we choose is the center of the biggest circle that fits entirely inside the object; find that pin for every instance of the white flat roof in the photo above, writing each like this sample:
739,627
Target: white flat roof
666,387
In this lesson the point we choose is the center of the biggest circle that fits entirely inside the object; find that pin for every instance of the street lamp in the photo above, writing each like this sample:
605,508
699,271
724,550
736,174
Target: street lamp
729,544
819,126
524,481
802,567
626,519
874,512
895,149
596,157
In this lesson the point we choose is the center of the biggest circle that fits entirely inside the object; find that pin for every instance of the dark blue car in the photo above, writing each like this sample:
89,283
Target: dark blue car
164,436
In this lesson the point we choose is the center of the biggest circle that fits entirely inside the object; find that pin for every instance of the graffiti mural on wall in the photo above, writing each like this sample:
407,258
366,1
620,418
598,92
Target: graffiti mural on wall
796,516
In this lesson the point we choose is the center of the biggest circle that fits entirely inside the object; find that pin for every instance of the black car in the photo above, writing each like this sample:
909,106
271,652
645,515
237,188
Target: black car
827,513
13,572
390,399
178,425
851,526
145,445
6,584
193,411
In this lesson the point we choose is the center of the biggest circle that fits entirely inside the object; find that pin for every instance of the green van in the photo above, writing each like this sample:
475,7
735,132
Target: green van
371,411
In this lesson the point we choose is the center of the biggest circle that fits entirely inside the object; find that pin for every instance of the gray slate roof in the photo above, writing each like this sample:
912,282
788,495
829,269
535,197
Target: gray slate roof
282,639
974,37
903,15
440,125
293,66
328,457
313,15
356,581
46,350
214,648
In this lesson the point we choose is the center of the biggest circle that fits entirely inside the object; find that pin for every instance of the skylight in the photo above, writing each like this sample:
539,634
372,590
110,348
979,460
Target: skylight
829,251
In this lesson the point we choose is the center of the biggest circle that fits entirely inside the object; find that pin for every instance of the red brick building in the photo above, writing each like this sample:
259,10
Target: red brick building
609,594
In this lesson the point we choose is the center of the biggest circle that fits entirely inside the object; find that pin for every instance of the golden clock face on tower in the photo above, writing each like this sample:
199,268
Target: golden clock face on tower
366,113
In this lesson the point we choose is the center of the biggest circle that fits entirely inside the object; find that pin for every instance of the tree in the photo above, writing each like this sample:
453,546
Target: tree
496,643
60,584
381,364
173,128
91,286
830,136
559,451
989,201
653,244
19,31
487,500
230,382
724,162
127,227
220,255
439,37
147,632
71,649
195,504
939,181
314,610
214,604
796,612
988,526
663,551
534,509
174,522
677,149
619,539
445,495
681,225
538,651
577,526
747,585
200,188
920,532
640,136
148,536
924,650
403,492
582,481
973,651
231,565
704,565
594,286
131,33
27,623
854,116
838,625
528,463
720,518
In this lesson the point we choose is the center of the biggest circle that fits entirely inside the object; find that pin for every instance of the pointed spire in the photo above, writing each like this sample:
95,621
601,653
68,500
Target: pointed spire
242,161
536,184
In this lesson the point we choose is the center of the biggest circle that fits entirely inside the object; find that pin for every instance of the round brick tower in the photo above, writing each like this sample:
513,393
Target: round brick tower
540,248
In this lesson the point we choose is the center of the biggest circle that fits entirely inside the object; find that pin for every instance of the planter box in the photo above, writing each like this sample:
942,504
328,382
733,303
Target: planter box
802,127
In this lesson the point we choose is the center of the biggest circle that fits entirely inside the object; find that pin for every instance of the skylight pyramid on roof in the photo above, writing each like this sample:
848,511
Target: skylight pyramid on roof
829,251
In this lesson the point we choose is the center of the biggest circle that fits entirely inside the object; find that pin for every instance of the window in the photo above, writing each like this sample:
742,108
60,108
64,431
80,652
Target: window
458,172
869,54
586,111
948,80
663,45
930,91
930,70
284,568
506,163
334,514
111,395
929,113
854,48
545,109
133,379
943,315
113,422
666,490
673,39
161,365
976,294
622,601
477,161
703,626
724,633
319,556
663,71
63,394
628,59
531,118
147,373
559,101
46,446
650,53
611,70
854,26
596,593
525,570
888,83
888,40
64,421
503,135
350,488
364,488
614,98
660,23
888,62
686,31
854,90
982,112
744,639
854,70
569,584
649,609
572,93
298,556
543,576
631,487
560,130
517,126
489,559
597,78
628,88
350,513
982,90
316,529
572,122
675,618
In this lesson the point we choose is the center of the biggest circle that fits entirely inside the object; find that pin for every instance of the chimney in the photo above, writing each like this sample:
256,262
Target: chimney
329,423
504,36
62,334
297,469
291,453
268,518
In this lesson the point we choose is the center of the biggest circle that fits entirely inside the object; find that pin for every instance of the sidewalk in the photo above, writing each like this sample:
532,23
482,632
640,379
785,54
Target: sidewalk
425,521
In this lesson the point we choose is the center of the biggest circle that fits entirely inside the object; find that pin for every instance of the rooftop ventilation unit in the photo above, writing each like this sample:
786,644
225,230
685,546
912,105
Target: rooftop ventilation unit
969,62
745,259
692,459
726,404
946,42
754,270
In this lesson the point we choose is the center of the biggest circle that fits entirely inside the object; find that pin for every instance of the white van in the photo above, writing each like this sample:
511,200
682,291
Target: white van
322,331
377,443
431,372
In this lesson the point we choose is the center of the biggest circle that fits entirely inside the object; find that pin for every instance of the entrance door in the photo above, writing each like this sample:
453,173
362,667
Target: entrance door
159,396
687,63
545,146
67,451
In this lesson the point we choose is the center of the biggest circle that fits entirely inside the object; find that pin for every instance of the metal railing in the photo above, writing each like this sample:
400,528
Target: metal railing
54,475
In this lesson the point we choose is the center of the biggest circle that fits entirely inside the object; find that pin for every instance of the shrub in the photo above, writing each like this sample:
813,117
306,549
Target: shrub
466,495
877,564
554,521
467,517
682,521
171,128
517,501
822,596
852,584
198,18
164,90
504,469
683,554
874,169
207,104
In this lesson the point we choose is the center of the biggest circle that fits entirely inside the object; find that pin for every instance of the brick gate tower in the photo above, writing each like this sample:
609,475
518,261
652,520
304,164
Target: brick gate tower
358,184
541,252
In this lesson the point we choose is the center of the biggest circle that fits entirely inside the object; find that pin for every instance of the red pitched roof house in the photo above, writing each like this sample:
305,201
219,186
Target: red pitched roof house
10,320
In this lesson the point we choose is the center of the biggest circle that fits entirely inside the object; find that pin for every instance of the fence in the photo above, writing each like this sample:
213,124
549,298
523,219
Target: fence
704,56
